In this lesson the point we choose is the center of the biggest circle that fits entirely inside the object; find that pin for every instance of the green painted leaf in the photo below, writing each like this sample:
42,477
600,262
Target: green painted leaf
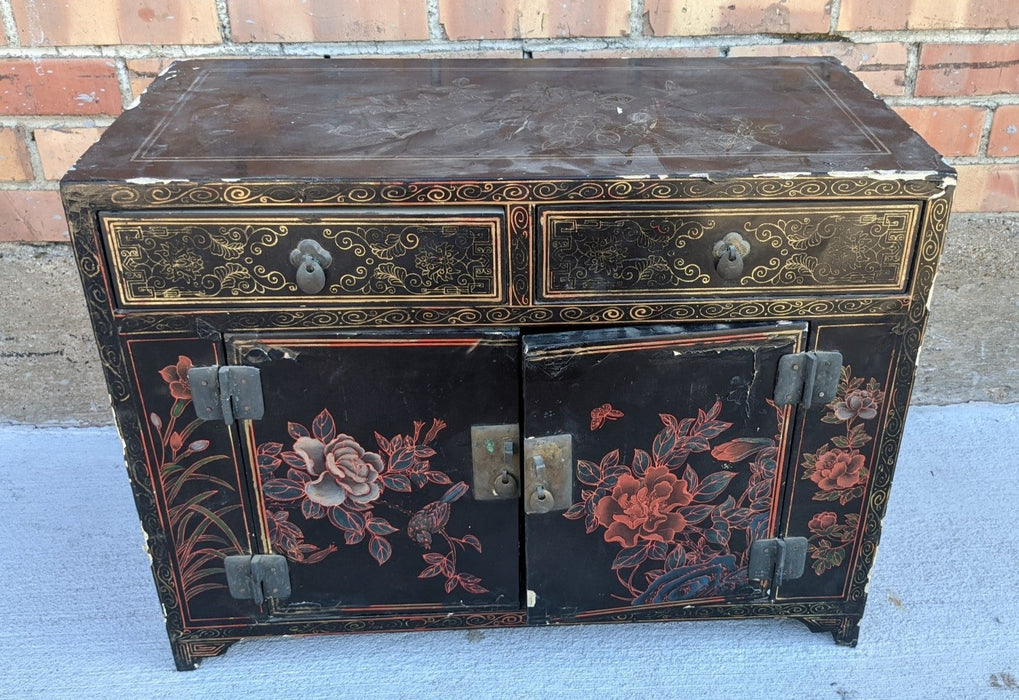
630,557
380,526
283,489
713,485
588,473
380,549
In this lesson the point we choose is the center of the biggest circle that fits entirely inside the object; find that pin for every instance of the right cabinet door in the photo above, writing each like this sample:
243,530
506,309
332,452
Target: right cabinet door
676,454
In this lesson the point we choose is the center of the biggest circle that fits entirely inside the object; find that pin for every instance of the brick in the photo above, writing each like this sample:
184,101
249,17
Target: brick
1004,132
953,131
703,17
483,53
59,149
14,162
63,23
987,188
142,71
59,86
31,216
865,15
689,52
533,19
882,66
968,69
328,20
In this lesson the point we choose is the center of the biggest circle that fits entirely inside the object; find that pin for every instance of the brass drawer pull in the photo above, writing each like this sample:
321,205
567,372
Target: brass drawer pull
729,253
311,261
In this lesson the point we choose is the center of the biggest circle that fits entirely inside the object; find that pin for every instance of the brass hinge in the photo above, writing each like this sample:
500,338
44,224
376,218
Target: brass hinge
229,393
257,577
808,378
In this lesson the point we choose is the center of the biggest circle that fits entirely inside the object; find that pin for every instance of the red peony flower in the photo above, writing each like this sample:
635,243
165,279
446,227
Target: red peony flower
644,509
838,469
344,471
822,522
858,403
177,377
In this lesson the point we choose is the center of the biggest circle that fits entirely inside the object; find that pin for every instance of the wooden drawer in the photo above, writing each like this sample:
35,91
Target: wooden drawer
233,258
669,252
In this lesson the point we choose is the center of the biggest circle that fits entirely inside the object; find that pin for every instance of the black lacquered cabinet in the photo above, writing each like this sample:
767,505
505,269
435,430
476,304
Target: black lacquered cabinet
406,345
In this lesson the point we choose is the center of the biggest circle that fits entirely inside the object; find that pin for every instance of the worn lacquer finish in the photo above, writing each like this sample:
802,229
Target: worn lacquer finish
526,243
500,119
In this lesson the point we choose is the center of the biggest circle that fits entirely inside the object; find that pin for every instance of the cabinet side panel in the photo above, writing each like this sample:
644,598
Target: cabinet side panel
192,466
80,207
838,456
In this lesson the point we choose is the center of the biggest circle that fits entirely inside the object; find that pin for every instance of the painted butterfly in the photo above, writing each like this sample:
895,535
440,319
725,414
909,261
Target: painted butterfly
603,413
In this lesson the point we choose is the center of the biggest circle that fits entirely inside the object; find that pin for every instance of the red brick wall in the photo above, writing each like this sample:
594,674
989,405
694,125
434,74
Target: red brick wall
67,68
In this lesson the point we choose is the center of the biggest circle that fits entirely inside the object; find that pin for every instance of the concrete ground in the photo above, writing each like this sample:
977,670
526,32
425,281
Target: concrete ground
50,371
80,618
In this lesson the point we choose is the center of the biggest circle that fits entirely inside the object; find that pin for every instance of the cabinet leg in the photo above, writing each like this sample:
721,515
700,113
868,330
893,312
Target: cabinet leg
188,654
845,630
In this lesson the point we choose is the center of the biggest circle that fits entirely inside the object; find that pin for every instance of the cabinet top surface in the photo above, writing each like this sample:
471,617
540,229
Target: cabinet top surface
364,120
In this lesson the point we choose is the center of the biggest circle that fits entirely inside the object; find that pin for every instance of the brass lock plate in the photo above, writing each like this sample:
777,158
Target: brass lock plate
548,468
495,454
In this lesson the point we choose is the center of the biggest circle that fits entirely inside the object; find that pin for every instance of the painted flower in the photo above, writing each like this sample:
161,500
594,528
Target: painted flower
822,522
839,469
858,403
184,266
344,471
177,378
644,509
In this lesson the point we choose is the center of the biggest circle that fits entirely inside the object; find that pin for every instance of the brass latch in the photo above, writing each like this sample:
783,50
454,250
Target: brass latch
495,457
547,467
548,473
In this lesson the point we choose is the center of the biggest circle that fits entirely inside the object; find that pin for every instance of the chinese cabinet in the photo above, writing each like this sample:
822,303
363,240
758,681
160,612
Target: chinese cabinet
445,344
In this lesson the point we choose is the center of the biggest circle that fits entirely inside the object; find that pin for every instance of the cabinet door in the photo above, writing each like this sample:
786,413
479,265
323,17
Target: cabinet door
678,454
361,469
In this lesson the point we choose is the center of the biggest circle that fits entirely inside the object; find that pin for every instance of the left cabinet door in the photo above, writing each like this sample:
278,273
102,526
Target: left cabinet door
361,474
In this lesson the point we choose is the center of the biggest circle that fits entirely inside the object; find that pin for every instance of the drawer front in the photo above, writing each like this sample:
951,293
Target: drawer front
671,252
234,258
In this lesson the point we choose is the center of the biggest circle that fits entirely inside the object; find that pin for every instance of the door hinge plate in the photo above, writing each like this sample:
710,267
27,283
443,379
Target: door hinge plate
257,576
228,393
808,378
777,560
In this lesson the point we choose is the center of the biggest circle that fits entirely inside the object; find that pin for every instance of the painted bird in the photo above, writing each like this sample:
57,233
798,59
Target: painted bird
434,516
